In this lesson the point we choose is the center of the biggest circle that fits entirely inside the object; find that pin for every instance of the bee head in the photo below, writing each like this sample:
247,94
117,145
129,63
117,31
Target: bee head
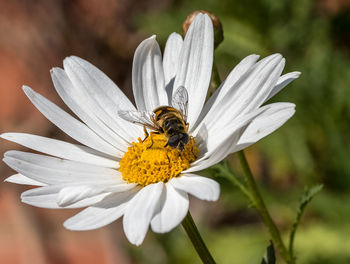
178,141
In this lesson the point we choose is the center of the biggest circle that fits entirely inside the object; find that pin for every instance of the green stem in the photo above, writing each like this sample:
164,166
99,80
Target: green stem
292,234
261,207
306,197
196,239
228,174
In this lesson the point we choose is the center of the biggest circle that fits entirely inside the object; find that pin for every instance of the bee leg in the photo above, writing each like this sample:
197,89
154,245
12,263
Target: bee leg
151,133
166,144
168,158
146,133
151,142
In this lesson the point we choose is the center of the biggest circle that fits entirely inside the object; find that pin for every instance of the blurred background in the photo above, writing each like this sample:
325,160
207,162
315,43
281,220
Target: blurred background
313,147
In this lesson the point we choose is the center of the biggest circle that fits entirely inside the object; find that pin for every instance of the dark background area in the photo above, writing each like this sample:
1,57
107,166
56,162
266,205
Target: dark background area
313,147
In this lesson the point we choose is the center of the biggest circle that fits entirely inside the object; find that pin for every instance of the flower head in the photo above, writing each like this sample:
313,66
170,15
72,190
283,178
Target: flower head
117,170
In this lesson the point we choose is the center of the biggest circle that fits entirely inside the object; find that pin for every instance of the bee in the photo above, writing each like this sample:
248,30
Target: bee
171,121
172,124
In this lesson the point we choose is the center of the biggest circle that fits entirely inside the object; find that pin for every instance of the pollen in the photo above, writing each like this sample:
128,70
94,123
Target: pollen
150,161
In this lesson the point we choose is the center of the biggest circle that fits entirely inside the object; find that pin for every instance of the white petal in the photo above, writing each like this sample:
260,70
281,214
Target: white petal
68,124
140,211
20,179
101,214
172,209
267,122
198,186
81,73
81,105
250,93
262,122
282,82
104,84
237,147
72,194
227,88
52,170
46,197
170,62
262,87
195,64
201,139
221,139
220,143
60,149
148,76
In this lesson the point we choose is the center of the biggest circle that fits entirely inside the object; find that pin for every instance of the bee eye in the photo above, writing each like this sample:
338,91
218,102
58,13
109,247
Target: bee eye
171,131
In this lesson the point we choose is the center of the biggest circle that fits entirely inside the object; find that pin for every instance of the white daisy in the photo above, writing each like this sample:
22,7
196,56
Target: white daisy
115,174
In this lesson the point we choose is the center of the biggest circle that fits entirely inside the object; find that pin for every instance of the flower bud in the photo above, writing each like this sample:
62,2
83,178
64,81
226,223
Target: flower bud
218,31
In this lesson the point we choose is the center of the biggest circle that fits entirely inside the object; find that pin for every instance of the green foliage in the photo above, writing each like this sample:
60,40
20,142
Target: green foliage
308,194
306,197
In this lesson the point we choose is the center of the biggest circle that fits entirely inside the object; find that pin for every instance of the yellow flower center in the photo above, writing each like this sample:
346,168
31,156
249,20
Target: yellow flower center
149,161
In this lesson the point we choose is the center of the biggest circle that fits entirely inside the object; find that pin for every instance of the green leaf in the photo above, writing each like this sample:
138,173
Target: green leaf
307,195
270,255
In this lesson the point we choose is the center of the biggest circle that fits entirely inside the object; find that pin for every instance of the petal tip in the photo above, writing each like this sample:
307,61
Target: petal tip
7,180
297,74
67,225
69,61
77,59
66,61
5,135
26,88
54,69
23,195
275,57
175,35
135,240
8,153
74,226
255,56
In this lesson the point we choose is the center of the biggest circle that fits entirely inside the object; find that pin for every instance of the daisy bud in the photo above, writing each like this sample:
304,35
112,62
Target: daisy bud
218,31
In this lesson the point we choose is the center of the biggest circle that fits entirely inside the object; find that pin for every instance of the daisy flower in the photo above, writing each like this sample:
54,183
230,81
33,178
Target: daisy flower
118,171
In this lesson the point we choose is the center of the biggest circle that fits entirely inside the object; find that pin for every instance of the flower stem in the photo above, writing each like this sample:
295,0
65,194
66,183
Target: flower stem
261,207
225,171
196,239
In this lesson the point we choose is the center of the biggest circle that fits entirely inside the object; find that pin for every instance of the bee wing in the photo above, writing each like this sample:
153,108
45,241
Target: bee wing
139,117
180,101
